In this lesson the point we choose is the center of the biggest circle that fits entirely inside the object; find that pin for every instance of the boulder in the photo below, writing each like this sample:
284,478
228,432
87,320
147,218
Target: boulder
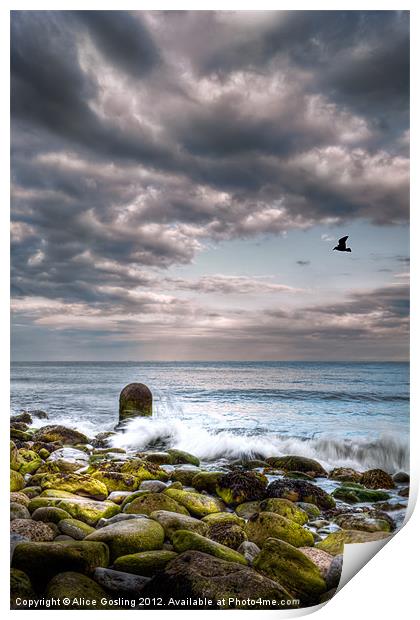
292,569
224,517
300,491
135,400
247,509
119,583
249,550
154,486
353,493
173,521
116,481
265,525
127,537
319,557
345,474
79,484
19,498
88,511
297,463
197,504
160,458
363,522
20,588
18,511
184,540
333,575
285,508
184,475
154,501
180,457
78,530
206,480
56,432
401,477
377,479
17,481
228,534
238,487
33,530
145,563
50,514
83,592
334,543
29,461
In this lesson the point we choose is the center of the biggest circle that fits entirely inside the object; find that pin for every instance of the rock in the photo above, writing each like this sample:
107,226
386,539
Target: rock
401,477
33,530
345,474
73,455
135,400
42,560
290,567
353,493
117,519
270,525
184,475
55,432
405,492
197,504
102,440
377,479
184,540
38,413
14,540
80,484
179,457
62,537
152,502
119,583
81,590
333,575
31,492
59,466
20,588
20,435
88,511
173,521
249,550
50,514
29,461
146,563
141,469
249,464
297,464
206,480
334,543
247,509
285,508
19,498
24,417
238,487
118,496
115,481
75,528
321,558
154,486
229,534
17,481
224,517
18,511
131,497
362,521
193,573
300,491
160,458
127,537
14,457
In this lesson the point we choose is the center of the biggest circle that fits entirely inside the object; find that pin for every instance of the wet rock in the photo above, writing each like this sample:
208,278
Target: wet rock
17,481
184,475
24,417
141,469
345,474
29,461
116,481
120,583
88,511
270,525
193,573
249,550
80,589
206,480
291,568
197,504
363,522
285,508
224,517
135,400
127,537
145,563
75,528
297,464
33,530
20,588
377,479
102,440
56,432
238,487
18,511
179,457
300,491
334,543
154,501
160,458
20,435
59,466
184,540
321,558
333,575
228,534
173,521
353,493
401,477
79,484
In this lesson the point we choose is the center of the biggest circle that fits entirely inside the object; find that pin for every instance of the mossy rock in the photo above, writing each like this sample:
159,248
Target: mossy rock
80,589
184,540
179,457
285,508
80,484
19,498
238,487
184,476
345,474
20,588
127,537
115,481
141,469
229,534
247,509
173,521
197,504
43,453
363,522
297,464
285,564
43,502
118,497
50,514
270,525
17,481
352,494
145,563
20,435
56,432
42,560
59,466
224,517
60,493
154,501
30,461
14,457
136,400
31,491
75,528
206,480
300,491
89,511
18,511
334,543
377,479
132,496
160,458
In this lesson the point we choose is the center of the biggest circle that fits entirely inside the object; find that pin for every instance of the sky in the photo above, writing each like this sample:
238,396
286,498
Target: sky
179,180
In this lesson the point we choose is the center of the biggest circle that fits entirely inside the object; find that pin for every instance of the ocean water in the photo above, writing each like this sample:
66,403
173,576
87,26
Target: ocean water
343,414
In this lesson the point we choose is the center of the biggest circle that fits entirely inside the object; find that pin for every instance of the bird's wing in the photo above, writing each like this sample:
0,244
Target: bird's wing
343,240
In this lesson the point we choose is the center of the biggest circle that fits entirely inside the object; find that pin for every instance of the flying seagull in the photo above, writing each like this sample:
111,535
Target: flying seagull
341,247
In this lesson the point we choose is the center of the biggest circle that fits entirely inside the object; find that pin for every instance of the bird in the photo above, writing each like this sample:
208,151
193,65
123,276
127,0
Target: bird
341,247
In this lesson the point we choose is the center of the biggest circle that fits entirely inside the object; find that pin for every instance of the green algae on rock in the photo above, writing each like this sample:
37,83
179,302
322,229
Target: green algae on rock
180,457
152,502
265,525
145,563
285,508
354,493
50,514
116,481
206,480
17,481
237,487
18,511
80,484
29,460
297,464
173,521
88,511
79,589
334,543
184,540
136,400
247,509
197,504
56,432
75,528
292,569
229,534
127,537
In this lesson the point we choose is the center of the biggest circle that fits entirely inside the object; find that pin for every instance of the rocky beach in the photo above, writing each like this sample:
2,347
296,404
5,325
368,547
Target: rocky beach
98,526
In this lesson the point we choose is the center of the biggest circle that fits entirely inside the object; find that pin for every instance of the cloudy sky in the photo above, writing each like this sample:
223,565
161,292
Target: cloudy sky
179,180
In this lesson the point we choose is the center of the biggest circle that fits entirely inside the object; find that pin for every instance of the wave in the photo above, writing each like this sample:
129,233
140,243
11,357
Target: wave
306,395
385,452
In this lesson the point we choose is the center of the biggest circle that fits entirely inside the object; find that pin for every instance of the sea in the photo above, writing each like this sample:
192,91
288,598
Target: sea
342,414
